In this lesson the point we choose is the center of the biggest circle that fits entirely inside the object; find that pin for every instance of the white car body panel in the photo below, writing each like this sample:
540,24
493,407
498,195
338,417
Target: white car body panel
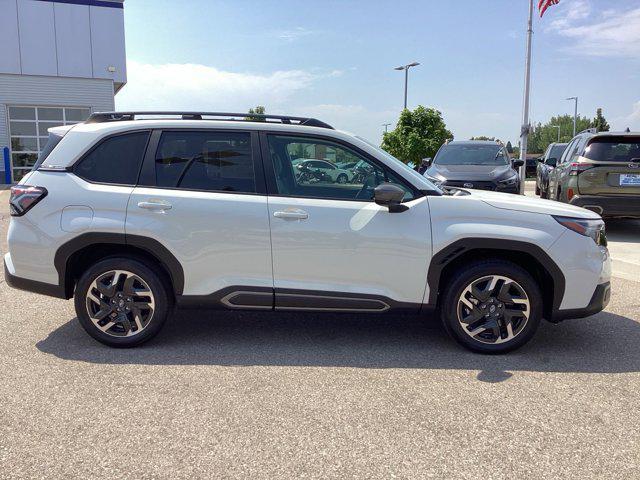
35,238
221,239
353,247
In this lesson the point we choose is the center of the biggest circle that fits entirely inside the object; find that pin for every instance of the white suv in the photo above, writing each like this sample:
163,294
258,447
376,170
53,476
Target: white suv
132,215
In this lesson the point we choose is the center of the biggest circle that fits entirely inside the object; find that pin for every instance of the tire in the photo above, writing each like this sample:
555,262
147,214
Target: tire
522,289
342,178
121,315
537,189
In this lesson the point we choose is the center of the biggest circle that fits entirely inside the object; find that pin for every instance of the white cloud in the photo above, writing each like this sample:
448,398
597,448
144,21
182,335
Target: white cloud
200,87
294,33
615,33
631,121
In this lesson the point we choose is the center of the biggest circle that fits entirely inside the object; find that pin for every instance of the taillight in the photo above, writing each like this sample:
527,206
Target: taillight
570,194
576,168
24,197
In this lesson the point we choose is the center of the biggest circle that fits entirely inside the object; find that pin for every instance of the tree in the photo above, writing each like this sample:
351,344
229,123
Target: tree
599,122
418,134
544,134
259,110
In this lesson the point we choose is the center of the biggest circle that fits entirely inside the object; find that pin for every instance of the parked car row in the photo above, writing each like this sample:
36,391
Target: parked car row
597,171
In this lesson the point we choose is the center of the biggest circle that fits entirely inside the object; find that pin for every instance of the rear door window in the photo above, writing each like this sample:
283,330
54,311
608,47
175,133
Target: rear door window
614,149
205,160
116,160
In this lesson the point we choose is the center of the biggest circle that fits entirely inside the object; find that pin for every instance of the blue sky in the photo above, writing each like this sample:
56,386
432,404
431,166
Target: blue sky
334,60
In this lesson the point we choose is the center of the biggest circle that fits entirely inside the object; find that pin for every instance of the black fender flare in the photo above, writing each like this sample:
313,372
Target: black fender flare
153,247
452,251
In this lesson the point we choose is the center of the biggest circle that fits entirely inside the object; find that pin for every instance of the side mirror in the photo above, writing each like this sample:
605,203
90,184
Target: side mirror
540,159
518,163
552,162
390,195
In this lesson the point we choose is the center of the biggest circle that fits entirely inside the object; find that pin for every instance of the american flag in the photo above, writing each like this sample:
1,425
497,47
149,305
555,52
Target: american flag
544,4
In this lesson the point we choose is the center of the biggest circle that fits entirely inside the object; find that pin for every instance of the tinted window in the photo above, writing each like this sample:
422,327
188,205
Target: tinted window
322,179
115,160
556,151
51,144
471,155
614,149
219,161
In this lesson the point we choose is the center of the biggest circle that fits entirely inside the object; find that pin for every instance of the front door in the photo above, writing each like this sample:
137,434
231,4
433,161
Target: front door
333,247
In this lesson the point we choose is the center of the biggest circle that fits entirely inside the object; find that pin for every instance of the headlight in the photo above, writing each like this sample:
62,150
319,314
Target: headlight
512,180
588,227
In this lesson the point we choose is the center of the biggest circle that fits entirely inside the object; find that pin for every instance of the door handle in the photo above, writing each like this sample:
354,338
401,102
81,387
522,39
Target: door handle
293,214
155,206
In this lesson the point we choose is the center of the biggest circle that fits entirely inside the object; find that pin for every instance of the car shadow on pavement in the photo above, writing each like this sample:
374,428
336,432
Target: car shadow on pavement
604,343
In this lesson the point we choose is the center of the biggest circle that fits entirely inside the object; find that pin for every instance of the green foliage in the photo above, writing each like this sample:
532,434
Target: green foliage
418,134
545,134
482,137
259,110
599,122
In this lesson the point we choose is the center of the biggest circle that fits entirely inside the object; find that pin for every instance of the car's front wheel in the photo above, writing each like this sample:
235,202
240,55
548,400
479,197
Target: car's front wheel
342,178
491,306
122,302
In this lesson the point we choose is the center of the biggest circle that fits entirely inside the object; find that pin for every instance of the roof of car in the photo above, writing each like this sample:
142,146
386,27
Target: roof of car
474,142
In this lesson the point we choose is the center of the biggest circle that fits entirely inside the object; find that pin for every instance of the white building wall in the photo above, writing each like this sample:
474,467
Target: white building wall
96,94
82,38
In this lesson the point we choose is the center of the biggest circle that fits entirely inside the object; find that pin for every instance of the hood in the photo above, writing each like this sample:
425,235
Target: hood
471,172
521,203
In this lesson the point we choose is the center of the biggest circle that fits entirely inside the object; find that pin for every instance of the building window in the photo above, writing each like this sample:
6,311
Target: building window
28,129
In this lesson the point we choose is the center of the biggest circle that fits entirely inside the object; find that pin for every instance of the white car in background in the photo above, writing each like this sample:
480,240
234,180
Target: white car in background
326,169
132,216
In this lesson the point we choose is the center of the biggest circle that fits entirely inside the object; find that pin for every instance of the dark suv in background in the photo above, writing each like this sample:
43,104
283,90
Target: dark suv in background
546,163
601,172
482,165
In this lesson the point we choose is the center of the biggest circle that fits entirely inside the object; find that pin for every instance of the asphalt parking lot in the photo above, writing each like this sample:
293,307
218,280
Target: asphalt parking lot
285,396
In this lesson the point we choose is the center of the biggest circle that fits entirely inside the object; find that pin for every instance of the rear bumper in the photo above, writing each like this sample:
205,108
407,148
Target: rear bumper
627,206
599,300
32,285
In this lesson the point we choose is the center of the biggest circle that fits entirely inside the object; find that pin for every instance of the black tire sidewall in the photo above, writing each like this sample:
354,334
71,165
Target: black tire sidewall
149,274
463,277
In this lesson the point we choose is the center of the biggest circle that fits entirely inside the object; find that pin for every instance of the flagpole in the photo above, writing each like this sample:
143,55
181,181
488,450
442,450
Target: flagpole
524,130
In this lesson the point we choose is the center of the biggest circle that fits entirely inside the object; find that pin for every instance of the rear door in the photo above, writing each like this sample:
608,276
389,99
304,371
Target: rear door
202,196
614,166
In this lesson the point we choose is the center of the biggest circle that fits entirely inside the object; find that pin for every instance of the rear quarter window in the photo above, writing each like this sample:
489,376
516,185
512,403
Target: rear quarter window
115,160
53,140
614,149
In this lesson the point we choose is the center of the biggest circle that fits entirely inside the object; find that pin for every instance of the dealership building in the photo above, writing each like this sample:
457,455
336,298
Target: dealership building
60,61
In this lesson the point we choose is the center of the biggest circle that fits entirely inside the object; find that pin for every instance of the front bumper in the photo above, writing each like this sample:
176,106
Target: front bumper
599,300
32,285
618,206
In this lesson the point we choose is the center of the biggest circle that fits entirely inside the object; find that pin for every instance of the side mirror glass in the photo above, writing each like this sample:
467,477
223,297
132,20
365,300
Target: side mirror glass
518,163
390,196
552,161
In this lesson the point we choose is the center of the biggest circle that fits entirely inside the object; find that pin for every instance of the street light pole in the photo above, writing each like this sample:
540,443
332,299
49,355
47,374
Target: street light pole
385,125
524,129
575,114
558,127
406,78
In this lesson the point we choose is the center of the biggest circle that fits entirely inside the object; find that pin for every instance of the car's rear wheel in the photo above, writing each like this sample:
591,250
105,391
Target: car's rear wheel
537,189
544,192
342,178
491,306
122,302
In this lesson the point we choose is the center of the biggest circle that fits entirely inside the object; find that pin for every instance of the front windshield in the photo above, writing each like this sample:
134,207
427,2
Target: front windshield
471,155
400,164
